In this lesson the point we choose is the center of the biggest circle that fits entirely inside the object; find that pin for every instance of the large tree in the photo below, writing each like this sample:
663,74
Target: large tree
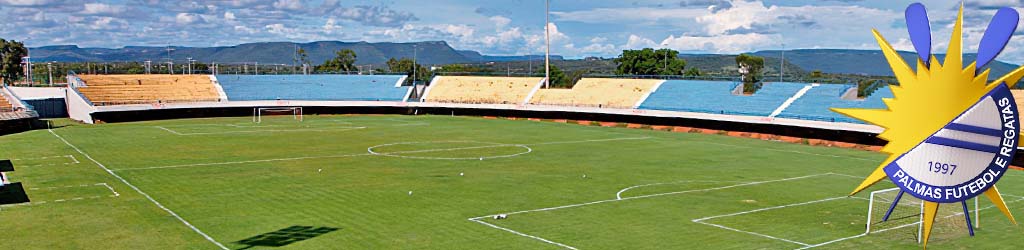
750,67
405,65
344,60
11,53
650,62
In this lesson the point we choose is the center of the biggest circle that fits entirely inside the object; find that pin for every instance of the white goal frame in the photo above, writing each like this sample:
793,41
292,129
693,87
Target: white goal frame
975,218
257,113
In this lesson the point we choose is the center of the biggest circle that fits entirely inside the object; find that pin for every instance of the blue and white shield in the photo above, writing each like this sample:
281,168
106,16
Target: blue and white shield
964,158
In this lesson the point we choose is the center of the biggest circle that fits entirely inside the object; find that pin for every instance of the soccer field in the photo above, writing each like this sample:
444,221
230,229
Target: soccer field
434,182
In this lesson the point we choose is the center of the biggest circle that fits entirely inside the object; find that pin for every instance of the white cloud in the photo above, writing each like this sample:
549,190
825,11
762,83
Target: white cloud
728,44
102,9
187,18
500,22
288,4
331,26
279,29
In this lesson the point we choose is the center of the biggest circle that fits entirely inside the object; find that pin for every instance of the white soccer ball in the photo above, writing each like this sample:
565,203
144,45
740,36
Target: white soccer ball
462,174
500,216
410,192
481,158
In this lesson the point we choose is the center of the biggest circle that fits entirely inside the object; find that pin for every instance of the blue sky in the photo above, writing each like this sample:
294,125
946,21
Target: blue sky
580,27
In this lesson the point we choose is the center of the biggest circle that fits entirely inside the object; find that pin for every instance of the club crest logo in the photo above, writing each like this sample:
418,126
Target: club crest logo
951,133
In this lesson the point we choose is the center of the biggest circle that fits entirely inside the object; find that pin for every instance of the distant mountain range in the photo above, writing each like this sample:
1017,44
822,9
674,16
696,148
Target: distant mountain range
864,62
845,61
431,52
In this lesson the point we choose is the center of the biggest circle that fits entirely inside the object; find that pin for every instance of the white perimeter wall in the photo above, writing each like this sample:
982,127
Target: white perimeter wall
78,108
34,93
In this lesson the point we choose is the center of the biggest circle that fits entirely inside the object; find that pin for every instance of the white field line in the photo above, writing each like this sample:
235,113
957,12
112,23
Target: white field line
618,195
361,154
478,218
41,158
144,194
1020,198
523,234
36,203
751,233
654,195
115,194
71,157
701,220
399,153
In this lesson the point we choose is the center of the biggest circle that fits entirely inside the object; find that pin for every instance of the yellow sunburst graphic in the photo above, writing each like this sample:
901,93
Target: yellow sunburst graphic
923,103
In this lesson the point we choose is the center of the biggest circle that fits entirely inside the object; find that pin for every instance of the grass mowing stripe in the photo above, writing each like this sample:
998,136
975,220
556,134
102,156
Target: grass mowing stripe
161,206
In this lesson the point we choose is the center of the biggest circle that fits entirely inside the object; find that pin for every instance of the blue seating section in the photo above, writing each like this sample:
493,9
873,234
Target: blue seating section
815,104
312,87
716,97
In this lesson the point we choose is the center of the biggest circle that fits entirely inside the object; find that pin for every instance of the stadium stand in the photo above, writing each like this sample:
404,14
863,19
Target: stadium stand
815,104
313,87
1018,96
138,89
480,89
598,92
5,105
717,97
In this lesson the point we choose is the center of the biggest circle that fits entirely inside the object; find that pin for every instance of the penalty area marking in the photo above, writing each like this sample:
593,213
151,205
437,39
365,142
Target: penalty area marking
144,194
114,194
70,157
479,218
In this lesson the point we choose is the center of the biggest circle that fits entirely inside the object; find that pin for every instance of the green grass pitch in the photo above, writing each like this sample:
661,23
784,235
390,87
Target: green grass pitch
433,182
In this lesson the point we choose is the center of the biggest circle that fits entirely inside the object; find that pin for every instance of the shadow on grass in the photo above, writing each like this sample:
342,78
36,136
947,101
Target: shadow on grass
285,236
13,193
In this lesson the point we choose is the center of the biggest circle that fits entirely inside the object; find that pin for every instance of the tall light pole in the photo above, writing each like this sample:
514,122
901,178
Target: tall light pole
547,44
28,60
414,50
149,65
49,72
782,63
664,46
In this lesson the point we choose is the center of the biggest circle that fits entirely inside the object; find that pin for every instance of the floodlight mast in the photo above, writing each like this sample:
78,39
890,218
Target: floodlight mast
547,44
782,63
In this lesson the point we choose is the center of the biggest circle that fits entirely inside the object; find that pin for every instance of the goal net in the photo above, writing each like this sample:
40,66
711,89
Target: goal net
259,113
904,223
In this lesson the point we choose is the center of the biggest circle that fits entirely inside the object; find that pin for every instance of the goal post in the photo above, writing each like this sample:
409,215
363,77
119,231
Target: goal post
258,113
907,215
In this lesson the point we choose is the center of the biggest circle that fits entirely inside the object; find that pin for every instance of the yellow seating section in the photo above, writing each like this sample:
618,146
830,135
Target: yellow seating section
5,105
603,92
477,89
138,89
1018,95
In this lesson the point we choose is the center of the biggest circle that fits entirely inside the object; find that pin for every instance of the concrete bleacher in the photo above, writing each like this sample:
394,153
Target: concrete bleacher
717,97
140,89
816,107
598,92
481,89
5,105
313,87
